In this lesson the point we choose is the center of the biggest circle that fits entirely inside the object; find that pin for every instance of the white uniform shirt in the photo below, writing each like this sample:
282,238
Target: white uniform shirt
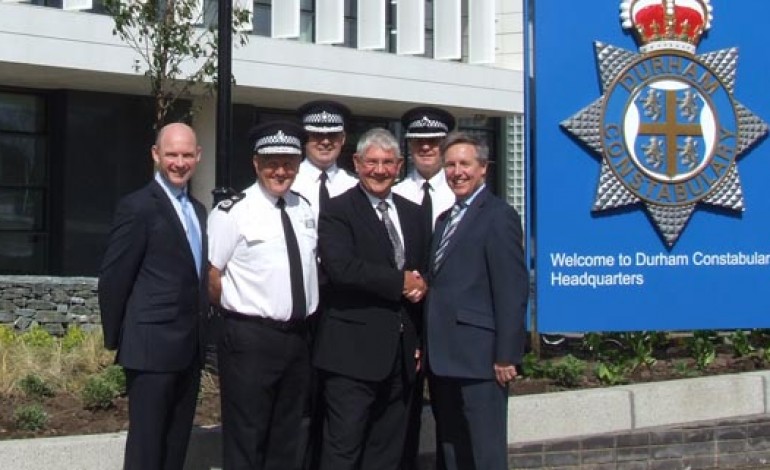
441,196
308,183
247,244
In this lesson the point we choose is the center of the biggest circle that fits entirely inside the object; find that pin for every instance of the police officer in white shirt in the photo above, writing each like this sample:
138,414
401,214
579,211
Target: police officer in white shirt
425,127
319,176
426,184
262,253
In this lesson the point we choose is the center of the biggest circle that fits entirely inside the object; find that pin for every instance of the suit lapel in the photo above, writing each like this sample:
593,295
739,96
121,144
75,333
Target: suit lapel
468,221
168,211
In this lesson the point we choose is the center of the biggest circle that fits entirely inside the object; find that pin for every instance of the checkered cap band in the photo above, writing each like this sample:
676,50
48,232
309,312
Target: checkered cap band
278,143
426,128
323,122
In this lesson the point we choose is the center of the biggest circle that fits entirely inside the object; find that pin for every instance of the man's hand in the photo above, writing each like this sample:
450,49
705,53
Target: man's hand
418,359
414,286
504,373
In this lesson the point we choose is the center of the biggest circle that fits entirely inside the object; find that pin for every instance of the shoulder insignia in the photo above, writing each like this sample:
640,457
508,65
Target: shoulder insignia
228,203
300,196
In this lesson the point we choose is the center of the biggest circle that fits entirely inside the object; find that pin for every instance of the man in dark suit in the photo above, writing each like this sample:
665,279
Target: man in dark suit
475,313
152,295
372,245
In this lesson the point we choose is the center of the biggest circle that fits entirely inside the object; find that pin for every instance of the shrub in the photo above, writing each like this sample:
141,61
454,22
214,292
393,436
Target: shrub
116,377
30,417
567,372
37,337
611,373
702,347
35,387
74,337
741,342
98,393
531,366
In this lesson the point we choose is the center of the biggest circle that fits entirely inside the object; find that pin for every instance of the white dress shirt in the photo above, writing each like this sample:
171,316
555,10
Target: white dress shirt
442,197
247,244
308,182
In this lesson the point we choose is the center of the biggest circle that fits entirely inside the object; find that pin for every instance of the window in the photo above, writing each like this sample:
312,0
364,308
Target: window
23,184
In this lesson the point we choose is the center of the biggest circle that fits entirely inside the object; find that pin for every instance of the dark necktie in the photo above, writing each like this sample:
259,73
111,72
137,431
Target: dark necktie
395,241
449,230
323,192
427,206
298,301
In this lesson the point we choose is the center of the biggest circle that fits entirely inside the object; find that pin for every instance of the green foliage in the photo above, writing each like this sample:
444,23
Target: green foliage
684,370
741,342
641,346
568,372
30,417
177,52
98,393
532,367
7,336
74,337
611,373
702,347
35,387
37,337
116,377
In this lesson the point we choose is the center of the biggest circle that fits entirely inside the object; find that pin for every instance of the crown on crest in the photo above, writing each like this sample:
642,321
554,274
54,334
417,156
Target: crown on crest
667,24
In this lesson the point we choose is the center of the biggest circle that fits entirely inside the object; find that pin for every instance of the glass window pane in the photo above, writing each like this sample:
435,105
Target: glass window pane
22,160
306,25
22,253
21,113
261,20
306,5
21,209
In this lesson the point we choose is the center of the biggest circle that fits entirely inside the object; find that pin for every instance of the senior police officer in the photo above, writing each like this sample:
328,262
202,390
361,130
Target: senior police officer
263,275
320,178
426,183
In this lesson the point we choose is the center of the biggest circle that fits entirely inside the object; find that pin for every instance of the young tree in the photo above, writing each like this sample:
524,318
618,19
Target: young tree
177,49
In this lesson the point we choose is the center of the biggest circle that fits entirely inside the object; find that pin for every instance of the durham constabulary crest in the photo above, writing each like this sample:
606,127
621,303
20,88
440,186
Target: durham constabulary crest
667,126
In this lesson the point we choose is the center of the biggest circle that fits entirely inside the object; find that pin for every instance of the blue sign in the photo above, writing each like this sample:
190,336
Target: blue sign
651,207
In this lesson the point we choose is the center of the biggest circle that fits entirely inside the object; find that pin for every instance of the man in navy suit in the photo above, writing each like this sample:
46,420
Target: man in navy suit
373,247
153,295
475,325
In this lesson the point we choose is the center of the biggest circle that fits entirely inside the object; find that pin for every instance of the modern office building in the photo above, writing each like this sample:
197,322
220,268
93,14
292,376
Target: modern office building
76,119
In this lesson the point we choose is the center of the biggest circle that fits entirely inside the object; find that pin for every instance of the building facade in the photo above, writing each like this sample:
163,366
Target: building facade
76,121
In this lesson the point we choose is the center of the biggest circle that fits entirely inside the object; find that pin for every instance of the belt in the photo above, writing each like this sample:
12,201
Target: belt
287,326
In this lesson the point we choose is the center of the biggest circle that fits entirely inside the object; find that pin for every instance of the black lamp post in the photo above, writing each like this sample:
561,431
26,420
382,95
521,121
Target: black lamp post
224,127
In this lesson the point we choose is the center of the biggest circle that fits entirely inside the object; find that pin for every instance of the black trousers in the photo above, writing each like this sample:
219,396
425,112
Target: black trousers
161,408
263,374
471,423
365,421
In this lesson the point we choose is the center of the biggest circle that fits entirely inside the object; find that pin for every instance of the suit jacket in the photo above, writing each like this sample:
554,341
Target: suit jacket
151,298
476,303
365,310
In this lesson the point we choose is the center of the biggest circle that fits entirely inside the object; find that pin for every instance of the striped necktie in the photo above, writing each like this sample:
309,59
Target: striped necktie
451,227
398,248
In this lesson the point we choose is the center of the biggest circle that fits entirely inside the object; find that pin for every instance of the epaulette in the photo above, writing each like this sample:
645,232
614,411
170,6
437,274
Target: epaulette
300,196
228,203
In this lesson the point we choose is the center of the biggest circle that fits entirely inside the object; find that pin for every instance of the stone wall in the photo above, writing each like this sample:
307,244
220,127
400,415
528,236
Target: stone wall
55,303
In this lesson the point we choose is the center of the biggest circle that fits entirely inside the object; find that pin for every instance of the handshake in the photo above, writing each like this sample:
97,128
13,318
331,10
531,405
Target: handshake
414,286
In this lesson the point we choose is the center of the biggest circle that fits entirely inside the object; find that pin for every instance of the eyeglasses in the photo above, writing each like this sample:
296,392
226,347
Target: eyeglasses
371,164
